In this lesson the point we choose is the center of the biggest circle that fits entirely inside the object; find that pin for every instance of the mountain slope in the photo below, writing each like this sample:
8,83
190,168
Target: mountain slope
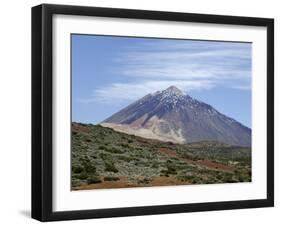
170,115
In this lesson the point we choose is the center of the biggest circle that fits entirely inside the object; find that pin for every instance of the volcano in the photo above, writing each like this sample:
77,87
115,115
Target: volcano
170,115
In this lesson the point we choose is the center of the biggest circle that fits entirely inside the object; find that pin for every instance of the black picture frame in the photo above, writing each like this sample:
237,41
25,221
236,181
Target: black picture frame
42,111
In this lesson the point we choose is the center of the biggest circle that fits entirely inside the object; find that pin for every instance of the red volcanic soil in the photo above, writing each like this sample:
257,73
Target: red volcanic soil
125,183
80,128
168,152
122,183
166,181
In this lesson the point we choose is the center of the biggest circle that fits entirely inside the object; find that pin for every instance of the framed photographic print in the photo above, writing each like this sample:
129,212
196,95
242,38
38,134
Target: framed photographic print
145,112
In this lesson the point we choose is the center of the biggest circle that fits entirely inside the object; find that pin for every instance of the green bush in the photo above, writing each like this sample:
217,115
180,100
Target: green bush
228,178
93,180
142,163
185,177
105,156
144,181
89,167
155,165
196,180
82,176
109,166
125,145
75,183
88,140
102,147
219,177
164,172
126,158
111,178
113,150
171,169
77,169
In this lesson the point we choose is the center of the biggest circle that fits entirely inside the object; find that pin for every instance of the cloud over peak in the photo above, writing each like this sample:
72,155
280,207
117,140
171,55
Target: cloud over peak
189,65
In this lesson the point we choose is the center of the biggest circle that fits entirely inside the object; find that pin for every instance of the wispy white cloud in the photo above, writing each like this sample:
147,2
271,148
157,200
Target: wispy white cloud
190,66
117,92
242,87
191,61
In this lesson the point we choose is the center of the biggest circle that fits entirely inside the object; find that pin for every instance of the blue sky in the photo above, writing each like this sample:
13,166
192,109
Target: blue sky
108,73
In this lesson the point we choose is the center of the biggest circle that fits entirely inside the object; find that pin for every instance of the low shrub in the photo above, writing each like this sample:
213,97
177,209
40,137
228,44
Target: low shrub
110,167
196,180
89,167
228,178
111,178
125,145
144,181
82,176
77,169
155,165
88,140
127,158
171,167
93,180
113,150
219,177
164,172
102,147
75,183
105,156
185,177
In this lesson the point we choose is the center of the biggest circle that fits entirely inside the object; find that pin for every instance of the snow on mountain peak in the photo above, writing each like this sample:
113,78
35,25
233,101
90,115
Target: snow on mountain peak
170,96
173,90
